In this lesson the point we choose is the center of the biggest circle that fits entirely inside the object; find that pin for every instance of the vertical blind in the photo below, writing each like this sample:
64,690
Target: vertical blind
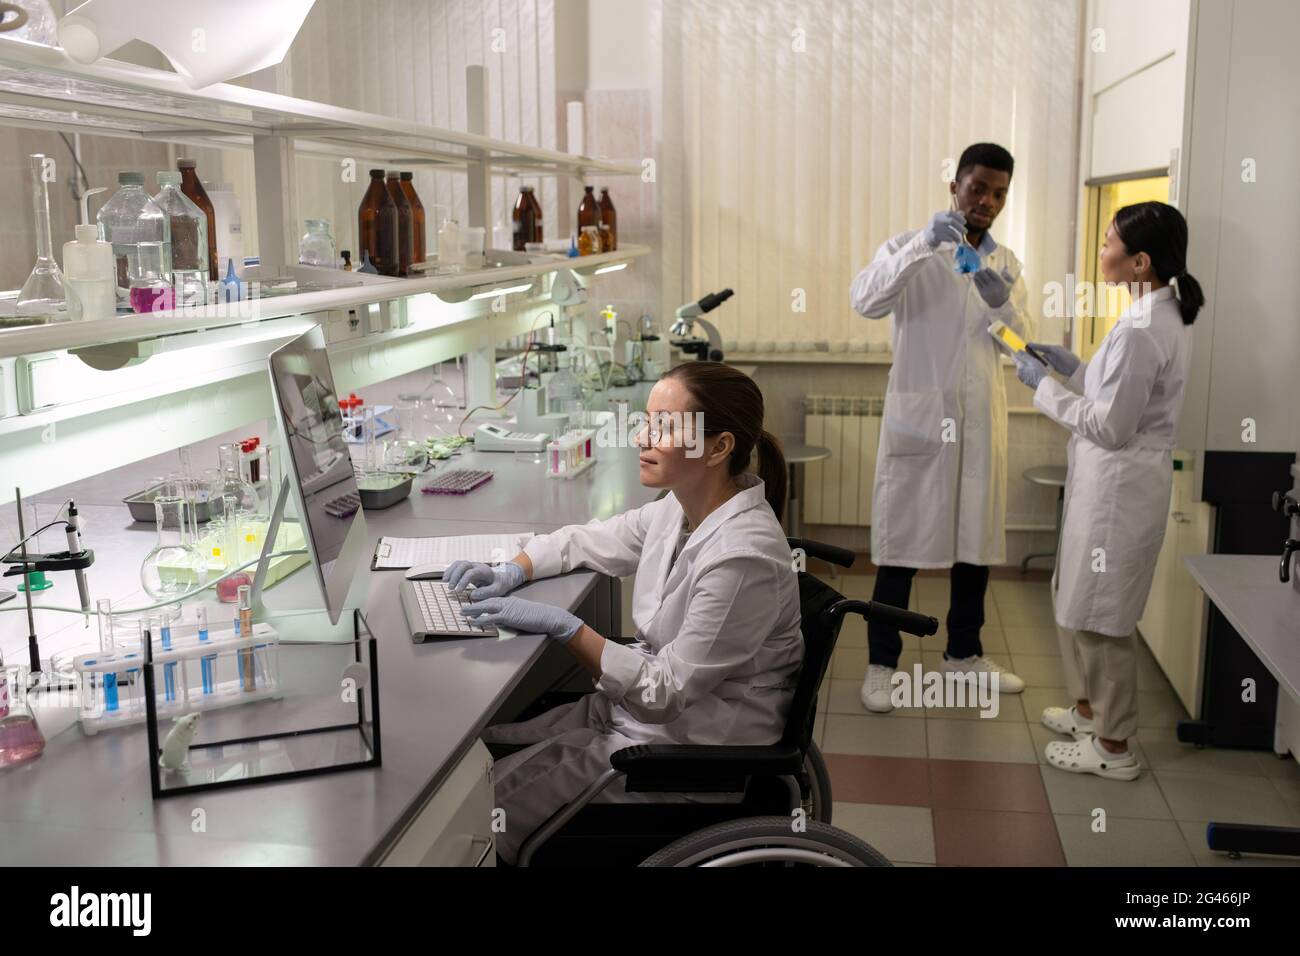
796,137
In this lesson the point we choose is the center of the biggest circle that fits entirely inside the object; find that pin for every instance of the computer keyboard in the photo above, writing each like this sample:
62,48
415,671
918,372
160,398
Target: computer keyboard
433,610
343,506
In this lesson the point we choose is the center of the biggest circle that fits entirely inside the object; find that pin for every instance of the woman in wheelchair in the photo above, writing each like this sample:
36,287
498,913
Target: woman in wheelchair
716,604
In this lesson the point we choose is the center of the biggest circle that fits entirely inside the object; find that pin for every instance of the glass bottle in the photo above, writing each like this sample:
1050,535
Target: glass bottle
537,214
377,226
230,482
189,237
171,568
588,209
129,218
418,248
229,223
150,289
524,219
21,739
346,256
316,248
42,293
193,188
608,221
405,223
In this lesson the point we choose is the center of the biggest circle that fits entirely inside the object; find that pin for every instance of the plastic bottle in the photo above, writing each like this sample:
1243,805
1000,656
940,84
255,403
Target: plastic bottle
129,218
189,231
193,188
88,270
229,225
451,245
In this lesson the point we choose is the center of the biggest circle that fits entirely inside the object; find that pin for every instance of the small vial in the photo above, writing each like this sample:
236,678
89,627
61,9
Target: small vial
106,643
169,669
244,629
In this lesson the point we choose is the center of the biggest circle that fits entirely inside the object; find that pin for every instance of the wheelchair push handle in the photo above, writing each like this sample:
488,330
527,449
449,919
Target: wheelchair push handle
909,621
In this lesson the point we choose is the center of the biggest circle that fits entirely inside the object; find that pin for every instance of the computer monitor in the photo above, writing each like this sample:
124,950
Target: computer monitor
319,466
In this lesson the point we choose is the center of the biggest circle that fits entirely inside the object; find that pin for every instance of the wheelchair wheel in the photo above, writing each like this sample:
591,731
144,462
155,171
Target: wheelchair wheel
767,841
819,800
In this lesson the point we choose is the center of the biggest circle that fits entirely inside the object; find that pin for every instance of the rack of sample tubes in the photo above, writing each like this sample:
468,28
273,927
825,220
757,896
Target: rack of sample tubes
205,665
571,453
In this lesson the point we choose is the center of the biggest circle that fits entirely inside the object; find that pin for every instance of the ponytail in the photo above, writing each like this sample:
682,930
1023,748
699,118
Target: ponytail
1160,231
1189,295
771,468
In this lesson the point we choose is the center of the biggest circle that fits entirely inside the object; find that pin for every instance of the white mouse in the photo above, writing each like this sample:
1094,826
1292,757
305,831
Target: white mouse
175,749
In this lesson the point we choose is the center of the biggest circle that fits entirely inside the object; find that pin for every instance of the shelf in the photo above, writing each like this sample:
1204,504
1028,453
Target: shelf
73,336
41,88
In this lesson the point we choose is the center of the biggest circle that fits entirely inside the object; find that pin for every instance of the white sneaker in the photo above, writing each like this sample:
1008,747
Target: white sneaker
876,688
1008,683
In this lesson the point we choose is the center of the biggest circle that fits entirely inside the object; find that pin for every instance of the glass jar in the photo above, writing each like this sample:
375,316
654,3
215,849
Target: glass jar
316,248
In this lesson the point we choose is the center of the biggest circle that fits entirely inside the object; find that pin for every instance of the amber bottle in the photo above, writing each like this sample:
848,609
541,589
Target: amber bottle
377,234
417,217
405,224
525,219
537,215
608,221
194,191
589,210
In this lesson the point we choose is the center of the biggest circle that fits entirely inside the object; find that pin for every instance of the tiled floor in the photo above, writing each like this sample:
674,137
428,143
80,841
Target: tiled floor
948,787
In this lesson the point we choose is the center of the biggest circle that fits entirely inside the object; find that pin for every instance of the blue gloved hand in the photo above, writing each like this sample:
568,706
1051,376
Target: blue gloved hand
1058,356
994,287
489,580
1029,370
531,617
946,226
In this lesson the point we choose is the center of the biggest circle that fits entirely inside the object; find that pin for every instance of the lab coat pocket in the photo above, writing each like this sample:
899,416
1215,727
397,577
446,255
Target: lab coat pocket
913,423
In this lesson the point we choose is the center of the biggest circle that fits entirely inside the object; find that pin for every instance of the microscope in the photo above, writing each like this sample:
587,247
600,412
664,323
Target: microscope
684,326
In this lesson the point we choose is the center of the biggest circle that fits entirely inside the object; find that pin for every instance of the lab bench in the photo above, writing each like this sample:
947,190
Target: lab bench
86,801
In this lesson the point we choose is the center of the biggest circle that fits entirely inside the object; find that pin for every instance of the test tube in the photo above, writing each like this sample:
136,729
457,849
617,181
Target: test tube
169,670
205,663
244,628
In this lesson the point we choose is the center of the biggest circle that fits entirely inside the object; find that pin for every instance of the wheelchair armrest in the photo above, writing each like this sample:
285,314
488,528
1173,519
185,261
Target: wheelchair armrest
688,768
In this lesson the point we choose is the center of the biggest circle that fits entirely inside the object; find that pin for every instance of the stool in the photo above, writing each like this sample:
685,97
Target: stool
1053,475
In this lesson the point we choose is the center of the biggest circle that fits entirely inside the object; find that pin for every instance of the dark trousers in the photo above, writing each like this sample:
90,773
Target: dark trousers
969,582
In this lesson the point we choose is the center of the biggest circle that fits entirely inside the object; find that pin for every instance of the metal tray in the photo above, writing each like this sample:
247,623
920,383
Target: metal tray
141,506
385,493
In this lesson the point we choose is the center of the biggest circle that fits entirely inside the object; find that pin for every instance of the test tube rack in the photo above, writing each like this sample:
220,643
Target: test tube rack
571,454
224,671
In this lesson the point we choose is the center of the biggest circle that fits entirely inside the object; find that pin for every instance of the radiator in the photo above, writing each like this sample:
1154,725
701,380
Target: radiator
837,490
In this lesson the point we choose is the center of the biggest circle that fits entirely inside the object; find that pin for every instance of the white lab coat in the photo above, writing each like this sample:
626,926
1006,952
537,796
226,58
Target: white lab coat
1124,426
941,468
716,662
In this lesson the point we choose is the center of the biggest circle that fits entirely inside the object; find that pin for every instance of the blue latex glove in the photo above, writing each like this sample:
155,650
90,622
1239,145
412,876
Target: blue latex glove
946,226
531,617
489,580
994,287
1058,356
1029,370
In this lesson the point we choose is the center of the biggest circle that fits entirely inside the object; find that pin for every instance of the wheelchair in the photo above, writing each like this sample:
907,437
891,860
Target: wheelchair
780,814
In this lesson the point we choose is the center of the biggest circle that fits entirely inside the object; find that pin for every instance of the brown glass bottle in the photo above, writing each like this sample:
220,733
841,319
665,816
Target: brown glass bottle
537,214
608,221
523,219
377,226
405,224
417,217
194,191
589,210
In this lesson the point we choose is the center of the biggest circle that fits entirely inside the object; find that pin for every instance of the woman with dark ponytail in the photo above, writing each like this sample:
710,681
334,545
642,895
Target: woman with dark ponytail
1122,410
715,604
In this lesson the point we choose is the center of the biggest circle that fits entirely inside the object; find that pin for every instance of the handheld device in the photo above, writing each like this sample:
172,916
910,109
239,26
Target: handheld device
1008,337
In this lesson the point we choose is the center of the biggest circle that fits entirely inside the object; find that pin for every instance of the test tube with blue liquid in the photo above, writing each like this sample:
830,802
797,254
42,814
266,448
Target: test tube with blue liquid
108,648
206,663
169,670
966,258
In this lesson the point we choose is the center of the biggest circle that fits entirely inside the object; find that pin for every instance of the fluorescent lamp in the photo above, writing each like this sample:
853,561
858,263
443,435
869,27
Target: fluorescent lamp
493,293
611,268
